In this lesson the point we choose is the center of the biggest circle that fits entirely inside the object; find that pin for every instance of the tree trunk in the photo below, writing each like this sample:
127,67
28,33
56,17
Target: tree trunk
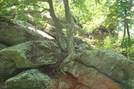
60,36
126,26
124,34
70,44
128,33
69,27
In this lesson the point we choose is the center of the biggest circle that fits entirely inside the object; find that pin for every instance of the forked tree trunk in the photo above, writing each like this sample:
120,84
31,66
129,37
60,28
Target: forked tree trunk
70,44
69,27
60,36
126,28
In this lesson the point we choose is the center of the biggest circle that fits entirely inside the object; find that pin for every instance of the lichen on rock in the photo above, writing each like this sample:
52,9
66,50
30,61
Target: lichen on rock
33,54
30,79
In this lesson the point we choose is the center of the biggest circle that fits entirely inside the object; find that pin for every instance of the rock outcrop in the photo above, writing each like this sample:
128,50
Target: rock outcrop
90,70
30,60
102,69
12,34
33,54
30,79
7,68
108,62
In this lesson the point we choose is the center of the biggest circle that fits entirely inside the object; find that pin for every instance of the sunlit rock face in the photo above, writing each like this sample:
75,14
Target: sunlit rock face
110,63
98,69
101,69
19,32
80,76
33,54
37,58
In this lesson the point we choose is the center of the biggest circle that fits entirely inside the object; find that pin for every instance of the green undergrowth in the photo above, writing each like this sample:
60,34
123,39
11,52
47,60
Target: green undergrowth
115,44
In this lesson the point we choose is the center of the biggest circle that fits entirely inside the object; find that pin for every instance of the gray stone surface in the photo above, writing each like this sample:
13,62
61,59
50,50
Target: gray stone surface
30,79
13,34
7,68
90,78
109,63
33,54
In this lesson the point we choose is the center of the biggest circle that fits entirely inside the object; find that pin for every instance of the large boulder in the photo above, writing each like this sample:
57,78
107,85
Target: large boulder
99,69
33,54
30,79
7,69
84,77
12,34
111,64
79,76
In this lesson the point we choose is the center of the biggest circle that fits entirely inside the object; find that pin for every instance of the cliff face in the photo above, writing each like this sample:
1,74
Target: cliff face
29,59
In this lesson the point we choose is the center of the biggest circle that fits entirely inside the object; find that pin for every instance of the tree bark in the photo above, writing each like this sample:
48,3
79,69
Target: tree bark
69,27
70,44
124,34
60,36
126,26
128,33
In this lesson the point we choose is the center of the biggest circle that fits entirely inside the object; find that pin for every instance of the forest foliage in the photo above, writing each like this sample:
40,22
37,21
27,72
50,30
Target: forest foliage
89,13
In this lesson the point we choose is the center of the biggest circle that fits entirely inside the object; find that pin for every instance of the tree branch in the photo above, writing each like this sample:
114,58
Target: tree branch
27,12
60,36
